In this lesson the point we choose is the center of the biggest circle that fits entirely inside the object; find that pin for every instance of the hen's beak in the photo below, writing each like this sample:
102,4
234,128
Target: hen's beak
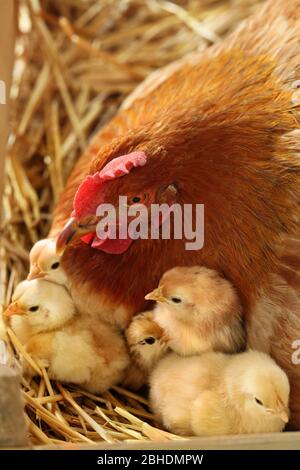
72,231
14,309
156,295
35,273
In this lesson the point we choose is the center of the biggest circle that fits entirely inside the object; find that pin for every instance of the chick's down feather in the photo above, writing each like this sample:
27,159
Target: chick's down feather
217,394
74,347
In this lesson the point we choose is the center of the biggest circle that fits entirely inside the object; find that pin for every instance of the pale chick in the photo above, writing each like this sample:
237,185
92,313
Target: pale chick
45,262
147,344
75,348
199,311
218,394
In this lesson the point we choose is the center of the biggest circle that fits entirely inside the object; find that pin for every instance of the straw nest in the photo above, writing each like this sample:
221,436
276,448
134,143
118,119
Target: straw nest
76,60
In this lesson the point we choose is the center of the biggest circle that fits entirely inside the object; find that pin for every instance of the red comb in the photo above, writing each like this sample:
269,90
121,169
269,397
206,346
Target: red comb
122,165
91,192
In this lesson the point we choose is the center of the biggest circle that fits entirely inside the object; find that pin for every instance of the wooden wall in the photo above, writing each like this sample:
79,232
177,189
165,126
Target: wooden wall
7,34
13,431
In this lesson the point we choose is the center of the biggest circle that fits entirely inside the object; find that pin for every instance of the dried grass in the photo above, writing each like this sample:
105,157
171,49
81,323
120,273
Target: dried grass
76,60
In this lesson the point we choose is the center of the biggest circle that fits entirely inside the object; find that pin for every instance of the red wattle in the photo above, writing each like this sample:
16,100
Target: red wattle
114,247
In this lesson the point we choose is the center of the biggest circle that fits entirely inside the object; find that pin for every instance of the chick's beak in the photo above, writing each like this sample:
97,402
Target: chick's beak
35,273
156,295
14,309
283,414
73,230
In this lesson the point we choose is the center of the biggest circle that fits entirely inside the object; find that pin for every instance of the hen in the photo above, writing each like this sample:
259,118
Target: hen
220,127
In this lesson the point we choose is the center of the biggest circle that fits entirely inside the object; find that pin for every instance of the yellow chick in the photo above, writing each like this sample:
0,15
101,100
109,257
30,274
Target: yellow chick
74,347
146,340
147,344
45,263
199,311
218,394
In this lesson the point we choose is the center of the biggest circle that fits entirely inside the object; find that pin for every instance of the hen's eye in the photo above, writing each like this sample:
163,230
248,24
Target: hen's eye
259,402
150,340
55,265
176,300
136,199
34,308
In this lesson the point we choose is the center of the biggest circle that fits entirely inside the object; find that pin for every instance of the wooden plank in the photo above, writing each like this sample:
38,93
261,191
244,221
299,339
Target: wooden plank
275,441
12,423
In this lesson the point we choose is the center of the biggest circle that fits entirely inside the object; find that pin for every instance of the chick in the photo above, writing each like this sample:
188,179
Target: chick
217,394
199,311
45,263
146,340
74,347
147,343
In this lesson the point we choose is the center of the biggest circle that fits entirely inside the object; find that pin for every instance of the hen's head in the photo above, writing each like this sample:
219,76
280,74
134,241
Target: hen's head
121,176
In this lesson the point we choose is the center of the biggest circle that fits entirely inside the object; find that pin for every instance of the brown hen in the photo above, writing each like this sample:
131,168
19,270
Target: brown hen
222,128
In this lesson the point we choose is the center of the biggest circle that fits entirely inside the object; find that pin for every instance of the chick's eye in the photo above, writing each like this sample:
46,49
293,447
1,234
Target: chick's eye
150,340
34,308
176,300
55,265
259,402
